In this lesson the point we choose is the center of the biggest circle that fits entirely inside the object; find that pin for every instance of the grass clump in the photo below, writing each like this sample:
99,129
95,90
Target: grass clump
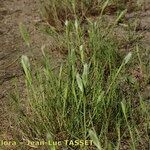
56,12
84,98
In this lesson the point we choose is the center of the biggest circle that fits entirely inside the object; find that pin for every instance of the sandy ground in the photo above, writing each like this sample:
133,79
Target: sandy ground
12,12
